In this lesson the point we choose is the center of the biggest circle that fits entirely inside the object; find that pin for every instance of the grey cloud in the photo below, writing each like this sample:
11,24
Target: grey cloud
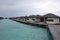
28,7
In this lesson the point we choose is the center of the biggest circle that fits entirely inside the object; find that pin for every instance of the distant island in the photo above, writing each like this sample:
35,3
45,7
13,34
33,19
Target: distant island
1,18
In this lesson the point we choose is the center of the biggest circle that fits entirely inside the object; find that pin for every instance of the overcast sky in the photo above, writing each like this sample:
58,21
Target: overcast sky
9,8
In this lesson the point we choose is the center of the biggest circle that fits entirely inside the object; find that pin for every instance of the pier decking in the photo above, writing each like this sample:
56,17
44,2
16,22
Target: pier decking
55,31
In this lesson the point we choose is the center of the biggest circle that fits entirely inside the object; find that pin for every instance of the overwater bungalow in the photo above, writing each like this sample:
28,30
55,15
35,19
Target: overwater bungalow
22,18
48,18
34,18
51,18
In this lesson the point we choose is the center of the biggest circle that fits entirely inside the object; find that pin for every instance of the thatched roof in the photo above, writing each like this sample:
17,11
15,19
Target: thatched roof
50,15
34,16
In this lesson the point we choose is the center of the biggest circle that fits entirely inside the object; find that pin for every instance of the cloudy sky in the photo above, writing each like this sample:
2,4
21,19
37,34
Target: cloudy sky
10,8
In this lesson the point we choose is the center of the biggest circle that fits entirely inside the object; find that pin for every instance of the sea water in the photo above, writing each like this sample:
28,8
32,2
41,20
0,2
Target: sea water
11,30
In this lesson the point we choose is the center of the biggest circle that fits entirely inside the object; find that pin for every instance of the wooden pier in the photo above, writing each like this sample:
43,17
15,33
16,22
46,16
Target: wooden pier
55,31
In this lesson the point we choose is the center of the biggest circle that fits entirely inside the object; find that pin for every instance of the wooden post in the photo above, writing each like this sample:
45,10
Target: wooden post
45,20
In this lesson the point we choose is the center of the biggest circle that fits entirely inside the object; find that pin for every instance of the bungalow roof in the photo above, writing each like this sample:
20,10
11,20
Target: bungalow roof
50,15
34,16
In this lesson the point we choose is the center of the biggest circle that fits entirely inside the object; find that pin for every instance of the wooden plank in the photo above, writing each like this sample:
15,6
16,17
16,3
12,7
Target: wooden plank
55,31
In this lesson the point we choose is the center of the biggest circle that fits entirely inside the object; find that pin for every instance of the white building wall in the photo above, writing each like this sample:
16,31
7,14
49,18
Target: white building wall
55,20
30,20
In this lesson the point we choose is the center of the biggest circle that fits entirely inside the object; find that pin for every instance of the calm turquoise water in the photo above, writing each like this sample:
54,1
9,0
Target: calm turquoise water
11,30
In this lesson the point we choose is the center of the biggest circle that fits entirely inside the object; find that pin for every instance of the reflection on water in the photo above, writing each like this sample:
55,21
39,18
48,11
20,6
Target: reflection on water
11,30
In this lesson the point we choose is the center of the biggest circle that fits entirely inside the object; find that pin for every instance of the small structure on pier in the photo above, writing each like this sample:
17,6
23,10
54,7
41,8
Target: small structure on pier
34,18
48,18
51,18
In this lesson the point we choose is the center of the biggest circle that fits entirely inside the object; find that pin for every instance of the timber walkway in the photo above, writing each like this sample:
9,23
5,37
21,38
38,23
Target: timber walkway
55,31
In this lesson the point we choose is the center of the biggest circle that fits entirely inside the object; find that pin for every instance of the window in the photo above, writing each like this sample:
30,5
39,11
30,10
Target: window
27,18
33,19
50,20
